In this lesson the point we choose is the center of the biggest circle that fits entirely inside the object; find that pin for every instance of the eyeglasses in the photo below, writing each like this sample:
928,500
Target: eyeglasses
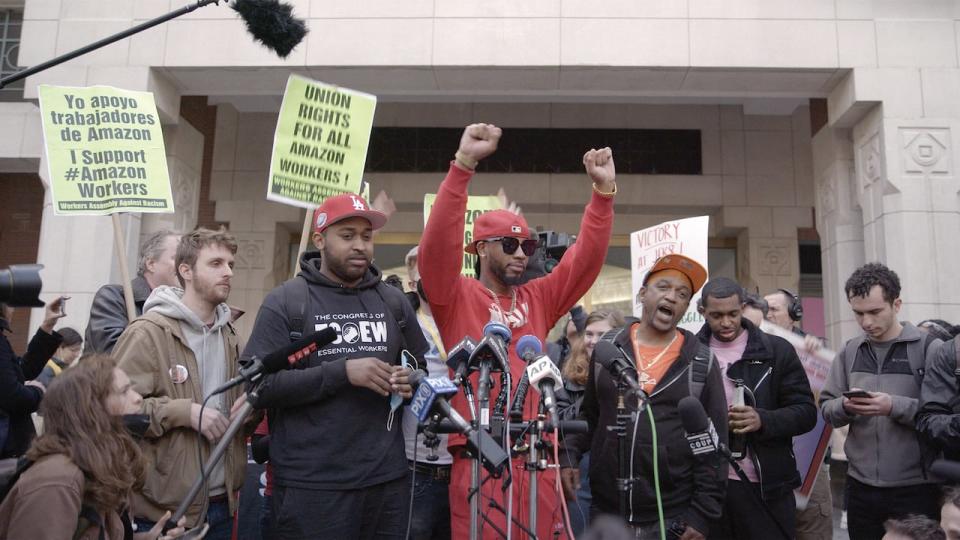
510,244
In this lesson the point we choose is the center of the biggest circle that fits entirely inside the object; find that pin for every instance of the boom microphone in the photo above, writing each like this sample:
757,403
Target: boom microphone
282,359
272,23
430,397
528,347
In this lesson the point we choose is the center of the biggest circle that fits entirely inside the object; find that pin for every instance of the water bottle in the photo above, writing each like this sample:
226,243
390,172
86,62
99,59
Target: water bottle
738,442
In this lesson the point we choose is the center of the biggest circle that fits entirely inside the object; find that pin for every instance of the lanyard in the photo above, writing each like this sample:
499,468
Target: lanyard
428,324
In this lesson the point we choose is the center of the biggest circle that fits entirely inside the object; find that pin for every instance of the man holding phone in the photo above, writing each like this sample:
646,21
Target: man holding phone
887,478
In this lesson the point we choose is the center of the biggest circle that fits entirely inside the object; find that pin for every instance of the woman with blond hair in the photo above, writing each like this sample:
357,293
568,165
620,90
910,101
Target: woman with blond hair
84,468
576,371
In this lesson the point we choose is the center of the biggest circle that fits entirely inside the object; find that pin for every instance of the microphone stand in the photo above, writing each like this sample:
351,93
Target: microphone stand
475,469
533,464
624,481
215,456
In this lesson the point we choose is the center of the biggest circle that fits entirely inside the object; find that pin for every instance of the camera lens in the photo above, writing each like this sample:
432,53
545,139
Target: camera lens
20,285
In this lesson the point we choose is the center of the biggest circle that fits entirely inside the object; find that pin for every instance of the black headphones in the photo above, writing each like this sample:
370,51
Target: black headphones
795,309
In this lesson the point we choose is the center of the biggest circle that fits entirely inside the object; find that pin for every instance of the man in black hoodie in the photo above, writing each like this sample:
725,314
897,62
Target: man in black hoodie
777,406
671,365
338,458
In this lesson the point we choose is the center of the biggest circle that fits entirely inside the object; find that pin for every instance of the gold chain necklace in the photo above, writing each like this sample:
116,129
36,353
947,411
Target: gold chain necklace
496,301
656,358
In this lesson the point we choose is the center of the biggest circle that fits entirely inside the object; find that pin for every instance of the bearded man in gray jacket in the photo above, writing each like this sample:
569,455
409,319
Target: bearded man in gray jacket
873,387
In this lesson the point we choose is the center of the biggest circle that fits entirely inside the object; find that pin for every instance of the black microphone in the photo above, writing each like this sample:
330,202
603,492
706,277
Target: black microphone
429,397
490,356
528,347
701,435
612,357
282,359
458,359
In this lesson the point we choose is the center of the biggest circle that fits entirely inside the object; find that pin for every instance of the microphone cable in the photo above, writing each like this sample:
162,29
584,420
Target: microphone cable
413,481
566,450
564,509
655,451
200,439
656,473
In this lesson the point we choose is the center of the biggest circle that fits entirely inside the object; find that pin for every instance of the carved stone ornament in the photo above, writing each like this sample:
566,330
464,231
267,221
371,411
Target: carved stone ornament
925,151
869,161
250,254
774,257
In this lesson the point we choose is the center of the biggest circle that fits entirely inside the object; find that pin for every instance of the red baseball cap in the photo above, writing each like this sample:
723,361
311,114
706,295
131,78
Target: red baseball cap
345,206
495,224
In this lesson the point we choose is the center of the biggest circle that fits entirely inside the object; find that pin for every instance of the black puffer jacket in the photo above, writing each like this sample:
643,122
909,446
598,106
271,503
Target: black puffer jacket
780,392
17,401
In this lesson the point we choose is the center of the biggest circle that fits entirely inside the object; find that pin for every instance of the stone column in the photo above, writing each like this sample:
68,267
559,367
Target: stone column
840,225
184,147
907,188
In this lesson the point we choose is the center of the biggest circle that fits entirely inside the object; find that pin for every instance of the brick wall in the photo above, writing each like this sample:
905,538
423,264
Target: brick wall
21,211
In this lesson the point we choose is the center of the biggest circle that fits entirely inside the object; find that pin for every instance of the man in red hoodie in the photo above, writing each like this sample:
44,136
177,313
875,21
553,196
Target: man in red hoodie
462,306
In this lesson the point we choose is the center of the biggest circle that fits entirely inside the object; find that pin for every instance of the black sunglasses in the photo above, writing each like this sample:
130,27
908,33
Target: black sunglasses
510,244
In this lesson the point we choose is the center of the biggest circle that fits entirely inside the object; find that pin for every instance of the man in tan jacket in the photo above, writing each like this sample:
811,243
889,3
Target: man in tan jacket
182,348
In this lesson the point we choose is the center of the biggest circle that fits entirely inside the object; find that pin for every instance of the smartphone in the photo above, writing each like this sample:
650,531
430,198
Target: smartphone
63,304
850,394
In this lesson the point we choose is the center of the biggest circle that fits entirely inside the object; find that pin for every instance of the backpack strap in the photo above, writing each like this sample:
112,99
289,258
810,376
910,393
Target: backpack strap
700,368
393,301
296,295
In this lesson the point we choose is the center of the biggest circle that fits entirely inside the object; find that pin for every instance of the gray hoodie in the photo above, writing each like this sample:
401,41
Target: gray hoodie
883,451
206,342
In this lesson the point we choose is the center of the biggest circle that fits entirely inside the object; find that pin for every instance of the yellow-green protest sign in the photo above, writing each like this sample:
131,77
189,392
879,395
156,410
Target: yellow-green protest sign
321,141
476,205
104,151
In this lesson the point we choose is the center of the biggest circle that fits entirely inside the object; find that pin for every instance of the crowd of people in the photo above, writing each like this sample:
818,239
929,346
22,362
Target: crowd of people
128,427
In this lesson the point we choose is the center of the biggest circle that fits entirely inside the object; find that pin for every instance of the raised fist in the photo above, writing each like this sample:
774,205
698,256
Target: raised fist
599,166
480,140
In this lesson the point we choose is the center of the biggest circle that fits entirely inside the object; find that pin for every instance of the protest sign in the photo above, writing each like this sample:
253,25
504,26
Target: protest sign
476,205
320,145
104,151
686,237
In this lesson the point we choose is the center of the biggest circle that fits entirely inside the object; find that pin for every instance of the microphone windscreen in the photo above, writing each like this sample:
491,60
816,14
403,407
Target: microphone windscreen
692,416
272,23
528,344
497,329
605,353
